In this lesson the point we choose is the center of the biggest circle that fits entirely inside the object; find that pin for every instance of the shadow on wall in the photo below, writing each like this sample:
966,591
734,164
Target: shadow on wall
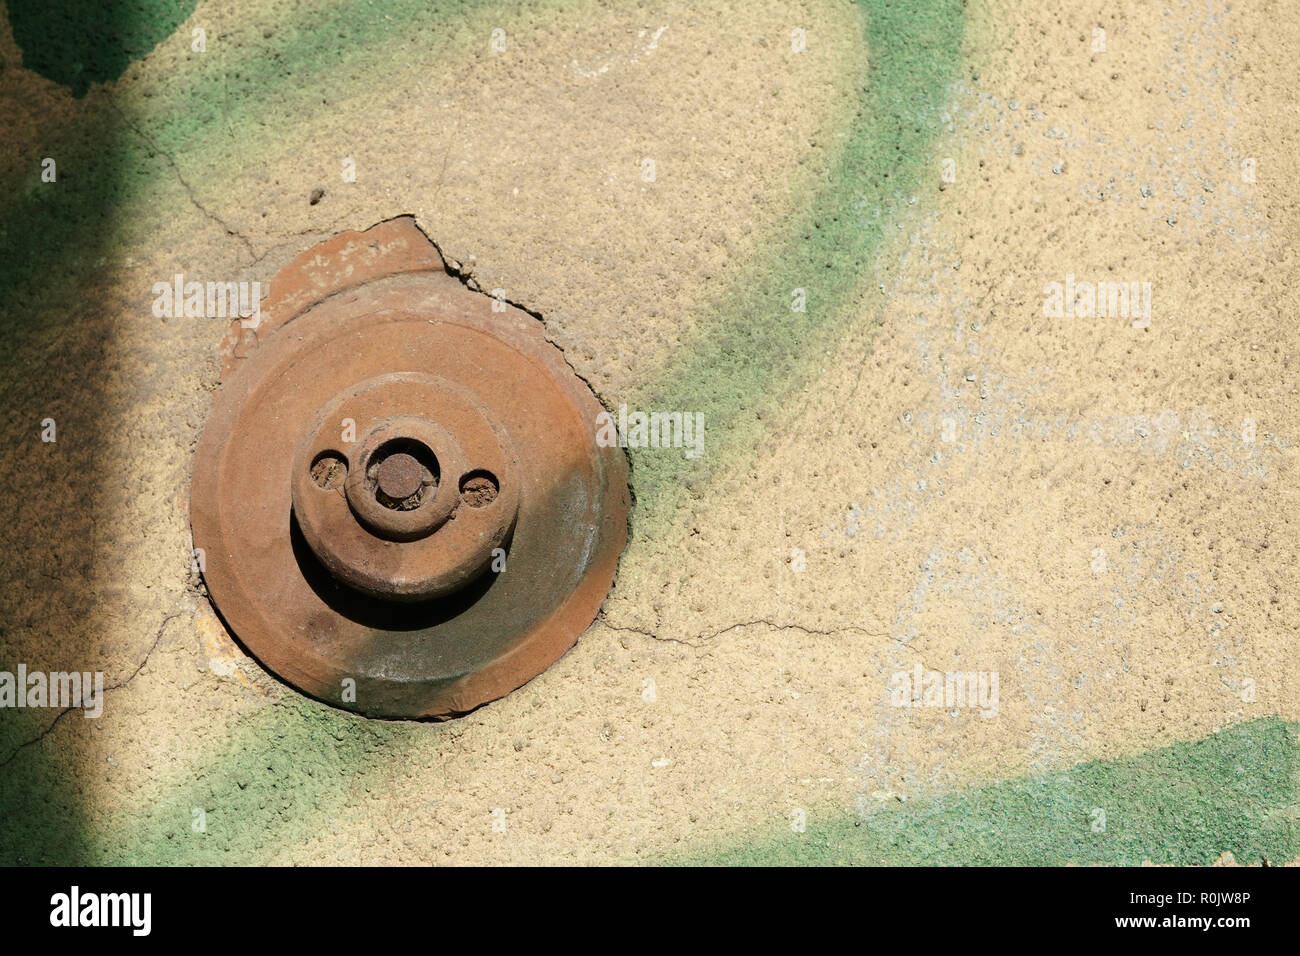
79,42
55,236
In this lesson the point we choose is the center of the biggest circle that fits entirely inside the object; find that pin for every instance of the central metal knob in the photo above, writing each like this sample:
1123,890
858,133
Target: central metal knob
399,476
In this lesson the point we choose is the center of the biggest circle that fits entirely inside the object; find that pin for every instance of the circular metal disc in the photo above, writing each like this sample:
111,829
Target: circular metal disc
436,657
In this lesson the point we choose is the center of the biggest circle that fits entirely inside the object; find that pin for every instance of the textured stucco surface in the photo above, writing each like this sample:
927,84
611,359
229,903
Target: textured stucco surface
920,468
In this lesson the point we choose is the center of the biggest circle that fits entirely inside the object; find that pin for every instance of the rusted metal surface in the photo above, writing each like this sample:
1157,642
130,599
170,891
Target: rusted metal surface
399,492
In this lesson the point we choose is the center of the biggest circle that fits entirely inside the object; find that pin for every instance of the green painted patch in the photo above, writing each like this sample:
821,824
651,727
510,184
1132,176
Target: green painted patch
757,348
1238,790
277,780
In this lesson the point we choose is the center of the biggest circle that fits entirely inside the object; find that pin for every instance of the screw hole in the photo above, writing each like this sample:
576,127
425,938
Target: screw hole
329,470
479,488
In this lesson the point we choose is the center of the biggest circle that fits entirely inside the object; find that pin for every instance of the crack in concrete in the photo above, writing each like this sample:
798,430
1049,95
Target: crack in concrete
112,687
700,641
189,190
